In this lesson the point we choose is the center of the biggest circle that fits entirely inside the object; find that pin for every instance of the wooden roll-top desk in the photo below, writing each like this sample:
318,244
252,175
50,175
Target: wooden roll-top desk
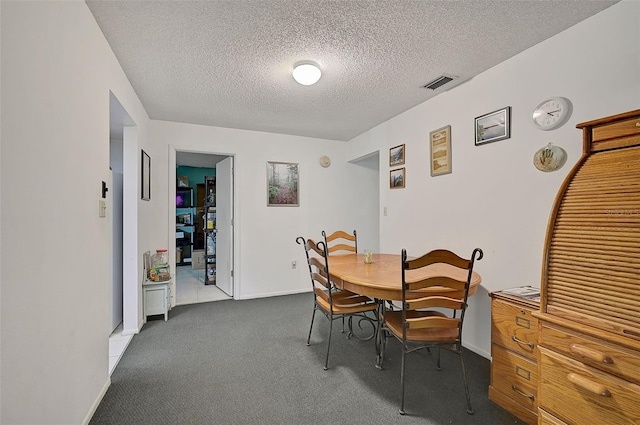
589,318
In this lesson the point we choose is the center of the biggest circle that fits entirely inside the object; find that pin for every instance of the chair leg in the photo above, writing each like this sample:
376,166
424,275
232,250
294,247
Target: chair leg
438,360
326,360
404,354
382,346
342,324
380,335
313,315
466,385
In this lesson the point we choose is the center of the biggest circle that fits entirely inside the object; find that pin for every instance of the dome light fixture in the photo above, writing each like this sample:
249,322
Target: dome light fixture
306,73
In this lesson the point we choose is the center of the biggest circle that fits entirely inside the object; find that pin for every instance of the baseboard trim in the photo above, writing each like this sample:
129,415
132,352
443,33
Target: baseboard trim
133,331
477,350
97,402
273,294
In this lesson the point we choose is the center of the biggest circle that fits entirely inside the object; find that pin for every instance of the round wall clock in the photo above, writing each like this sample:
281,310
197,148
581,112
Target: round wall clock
551,113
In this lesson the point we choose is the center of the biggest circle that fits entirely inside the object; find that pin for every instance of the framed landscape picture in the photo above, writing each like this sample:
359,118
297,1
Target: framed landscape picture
282,184
396,155
493,126
440,148
396,178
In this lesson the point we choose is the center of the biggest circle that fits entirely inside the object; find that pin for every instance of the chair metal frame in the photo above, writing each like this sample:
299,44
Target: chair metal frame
418,327
330,300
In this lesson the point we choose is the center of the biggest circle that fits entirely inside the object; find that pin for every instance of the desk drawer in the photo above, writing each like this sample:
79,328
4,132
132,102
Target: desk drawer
515,376
610,358
548,419
629,127
514,328
580,394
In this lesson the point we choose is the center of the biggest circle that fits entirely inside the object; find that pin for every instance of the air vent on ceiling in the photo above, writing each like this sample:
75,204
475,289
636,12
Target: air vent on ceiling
439,82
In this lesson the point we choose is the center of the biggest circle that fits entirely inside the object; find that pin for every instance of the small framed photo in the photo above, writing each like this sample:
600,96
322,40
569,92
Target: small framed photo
493,126
183,181
396,156
396,178
440,145
146,177
282,184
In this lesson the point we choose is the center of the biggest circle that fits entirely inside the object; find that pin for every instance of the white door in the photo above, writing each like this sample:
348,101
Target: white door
115,193
224,225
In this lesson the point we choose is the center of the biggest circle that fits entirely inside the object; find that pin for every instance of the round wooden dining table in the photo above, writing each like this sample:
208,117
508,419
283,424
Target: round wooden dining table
382,278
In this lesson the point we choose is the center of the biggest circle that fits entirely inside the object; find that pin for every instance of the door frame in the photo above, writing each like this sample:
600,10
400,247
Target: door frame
171,225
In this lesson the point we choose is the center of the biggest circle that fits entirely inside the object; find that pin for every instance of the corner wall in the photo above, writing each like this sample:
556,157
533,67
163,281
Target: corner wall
330,198
57,74
495,199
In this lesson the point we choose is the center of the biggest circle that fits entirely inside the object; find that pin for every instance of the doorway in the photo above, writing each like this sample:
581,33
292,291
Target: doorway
122,211
203,201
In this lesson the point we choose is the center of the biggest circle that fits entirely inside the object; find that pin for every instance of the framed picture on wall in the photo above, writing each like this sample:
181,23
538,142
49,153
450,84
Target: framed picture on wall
282,184
440,148
396,155
146,177
493,126
396,178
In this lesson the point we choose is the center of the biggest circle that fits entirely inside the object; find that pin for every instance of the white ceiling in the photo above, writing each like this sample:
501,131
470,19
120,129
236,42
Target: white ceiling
228,63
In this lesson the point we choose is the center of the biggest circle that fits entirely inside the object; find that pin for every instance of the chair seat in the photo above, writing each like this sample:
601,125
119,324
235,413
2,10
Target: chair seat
345,302
393,321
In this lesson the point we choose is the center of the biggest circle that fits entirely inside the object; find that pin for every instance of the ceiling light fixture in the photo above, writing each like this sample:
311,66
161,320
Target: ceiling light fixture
306,73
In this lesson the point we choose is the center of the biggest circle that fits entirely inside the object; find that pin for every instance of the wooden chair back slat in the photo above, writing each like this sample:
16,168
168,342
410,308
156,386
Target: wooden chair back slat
342,247
435,301
341,241
432,322
443,281
437,256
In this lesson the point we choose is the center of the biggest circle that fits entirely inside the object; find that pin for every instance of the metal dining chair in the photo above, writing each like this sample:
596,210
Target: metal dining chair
430,321
331,301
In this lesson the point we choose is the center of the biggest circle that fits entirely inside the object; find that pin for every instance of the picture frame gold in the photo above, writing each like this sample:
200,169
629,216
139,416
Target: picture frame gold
397,178
440,151
396,155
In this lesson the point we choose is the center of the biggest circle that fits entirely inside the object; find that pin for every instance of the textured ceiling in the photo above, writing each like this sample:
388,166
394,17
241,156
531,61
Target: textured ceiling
228,63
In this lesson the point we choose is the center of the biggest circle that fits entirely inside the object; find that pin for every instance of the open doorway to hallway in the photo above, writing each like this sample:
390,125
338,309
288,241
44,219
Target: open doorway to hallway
201,239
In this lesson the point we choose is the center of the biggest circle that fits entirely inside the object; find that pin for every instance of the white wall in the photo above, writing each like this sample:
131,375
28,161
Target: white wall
495,199
56,74
57,71
329,199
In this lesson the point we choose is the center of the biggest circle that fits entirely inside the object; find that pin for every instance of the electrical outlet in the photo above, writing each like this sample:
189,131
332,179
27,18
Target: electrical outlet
293,264
102,208
385,211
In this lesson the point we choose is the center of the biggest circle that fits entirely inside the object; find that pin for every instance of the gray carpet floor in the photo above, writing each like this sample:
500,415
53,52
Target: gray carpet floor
247,362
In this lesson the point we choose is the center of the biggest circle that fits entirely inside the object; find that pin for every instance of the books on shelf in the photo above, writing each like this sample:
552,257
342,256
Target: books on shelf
527,292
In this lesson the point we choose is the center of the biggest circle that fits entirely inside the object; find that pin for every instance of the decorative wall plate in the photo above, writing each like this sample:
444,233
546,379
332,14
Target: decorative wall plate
325,161
549,158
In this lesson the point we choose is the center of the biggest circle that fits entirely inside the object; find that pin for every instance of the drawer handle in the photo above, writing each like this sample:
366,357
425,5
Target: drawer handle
588,385
530,344
523,394
590,353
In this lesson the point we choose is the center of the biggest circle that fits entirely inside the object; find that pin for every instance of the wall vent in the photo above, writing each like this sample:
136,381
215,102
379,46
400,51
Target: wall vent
439,82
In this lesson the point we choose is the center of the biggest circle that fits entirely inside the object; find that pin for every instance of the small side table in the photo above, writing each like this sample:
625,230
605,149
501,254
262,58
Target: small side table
156,298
